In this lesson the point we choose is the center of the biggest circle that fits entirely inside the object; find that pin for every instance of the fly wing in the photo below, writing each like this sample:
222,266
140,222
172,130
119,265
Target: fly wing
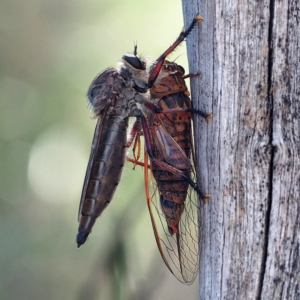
100,95
95,146
178,247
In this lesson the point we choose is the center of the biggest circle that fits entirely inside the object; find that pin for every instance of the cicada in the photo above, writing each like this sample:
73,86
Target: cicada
171,178
116,95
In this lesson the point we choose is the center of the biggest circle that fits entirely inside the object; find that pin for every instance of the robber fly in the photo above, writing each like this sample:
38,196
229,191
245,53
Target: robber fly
114,95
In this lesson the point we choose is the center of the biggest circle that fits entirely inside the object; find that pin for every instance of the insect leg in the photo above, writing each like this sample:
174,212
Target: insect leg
160,61
135,134
136,127
191,75
201,113
157,110
206,116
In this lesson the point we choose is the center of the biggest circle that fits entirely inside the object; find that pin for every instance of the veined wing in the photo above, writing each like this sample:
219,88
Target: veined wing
179,250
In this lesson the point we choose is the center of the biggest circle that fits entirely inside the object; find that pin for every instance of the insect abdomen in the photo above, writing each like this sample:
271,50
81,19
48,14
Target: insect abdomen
104,173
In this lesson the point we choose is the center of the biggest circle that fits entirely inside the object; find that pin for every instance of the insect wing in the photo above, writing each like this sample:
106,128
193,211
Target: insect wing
94,150
167,147
99,95
178,250
102,95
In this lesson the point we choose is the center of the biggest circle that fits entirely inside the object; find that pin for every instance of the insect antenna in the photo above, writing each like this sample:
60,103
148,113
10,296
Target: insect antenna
135,48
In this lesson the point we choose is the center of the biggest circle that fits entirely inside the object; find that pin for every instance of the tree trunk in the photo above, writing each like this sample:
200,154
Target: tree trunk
248,53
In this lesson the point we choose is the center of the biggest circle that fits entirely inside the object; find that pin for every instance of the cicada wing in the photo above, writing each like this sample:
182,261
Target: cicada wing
167,147
179,251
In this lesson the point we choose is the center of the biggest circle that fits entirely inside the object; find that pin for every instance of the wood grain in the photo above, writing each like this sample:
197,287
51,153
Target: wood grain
248,53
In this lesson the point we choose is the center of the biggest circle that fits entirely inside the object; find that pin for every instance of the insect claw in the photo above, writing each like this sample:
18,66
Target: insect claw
199,18
206,198
208,117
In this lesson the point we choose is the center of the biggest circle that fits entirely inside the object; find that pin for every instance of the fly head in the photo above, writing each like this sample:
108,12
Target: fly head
136,69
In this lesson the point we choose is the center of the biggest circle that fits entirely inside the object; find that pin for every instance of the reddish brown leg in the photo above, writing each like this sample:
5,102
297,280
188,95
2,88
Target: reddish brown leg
138,163
135,135
160,61
191,75
157,110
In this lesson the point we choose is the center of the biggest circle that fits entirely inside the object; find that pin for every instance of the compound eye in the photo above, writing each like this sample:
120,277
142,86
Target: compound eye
134,61
181,69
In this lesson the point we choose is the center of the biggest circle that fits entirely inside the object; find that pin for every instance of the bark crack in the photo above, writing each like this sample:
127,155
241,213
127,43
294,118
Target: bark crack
272,153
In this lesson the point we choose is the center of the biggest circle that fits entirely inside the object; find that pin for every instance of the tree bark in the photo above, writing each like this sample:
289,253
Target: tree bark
248,53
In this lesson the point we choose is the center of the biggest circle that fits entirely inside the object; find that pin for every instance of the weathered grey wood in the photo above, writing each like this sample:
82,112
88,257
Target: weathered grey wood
248,53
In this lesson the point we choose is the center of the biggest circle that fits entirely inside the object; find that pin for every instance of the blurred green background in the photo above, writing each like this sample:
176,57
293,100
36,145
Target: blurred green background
50,52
